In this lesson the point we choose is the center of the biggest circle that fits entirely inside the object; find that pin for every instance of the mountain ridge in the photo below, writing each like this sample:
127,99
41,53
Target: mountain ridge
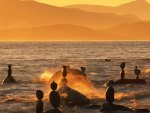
32,13
134,31
140,8
55,32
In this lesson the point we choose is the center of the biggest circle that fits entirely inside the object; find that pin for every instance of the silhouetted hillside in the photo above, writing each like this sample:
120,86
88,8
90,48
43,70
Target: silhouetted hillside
140,30
55,32
135,31
140,8
17,13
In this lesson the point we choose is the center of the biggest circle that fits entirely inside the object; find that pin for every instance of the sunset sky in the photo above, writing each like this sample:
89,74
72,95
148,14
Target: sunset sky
94,2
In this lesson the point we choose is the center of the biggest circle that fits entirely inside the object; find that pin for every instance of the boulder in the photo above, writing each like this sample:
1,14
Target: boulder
72,97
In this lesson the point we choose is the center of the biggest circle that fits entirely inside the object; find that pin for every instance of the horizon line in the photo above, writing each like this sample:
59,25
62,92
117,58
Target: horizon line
74,41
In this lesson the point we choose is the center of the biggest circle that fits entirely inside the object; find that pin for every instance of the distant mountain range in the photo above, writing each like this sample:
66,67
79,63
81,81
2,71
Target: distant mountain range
30,20
134,31
17,13
55,32
140,8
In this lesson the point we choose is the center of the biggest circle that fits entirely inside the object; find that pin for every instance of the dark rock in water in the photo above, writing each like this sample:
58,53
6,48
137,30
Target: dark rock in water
54,98
107,60
39,102
113,107
130,81
76,80
92,106
73,97
110,94
8,79
142,111
53,111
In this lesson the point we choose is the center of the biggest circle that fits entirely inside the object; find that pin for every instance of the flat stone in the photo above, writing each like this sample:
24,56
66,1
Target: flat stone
130,81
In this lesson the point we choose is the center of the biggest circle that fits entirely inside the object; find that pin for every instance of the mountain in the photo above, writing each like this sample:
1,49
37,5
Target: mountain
134,31
29,13
55,32
140,8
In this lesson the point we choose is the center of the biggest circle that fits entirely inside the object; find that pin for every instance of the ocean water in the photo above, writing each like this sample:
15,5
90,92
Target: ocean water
31,59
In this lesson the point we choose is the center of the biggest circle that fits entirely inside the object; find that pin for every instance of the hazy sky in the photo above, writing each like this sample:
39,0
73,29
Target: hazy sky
95,2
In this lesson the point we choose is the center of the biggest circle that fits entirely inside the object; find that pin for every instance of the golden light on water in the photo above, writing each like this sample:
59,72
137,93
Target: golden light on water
147,71
119,96
46,76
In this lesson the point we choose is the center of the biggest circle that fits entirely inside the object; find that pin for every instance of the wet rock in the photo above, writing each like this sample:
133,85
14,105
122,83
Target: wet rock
92,106
75,80
54,98
39,102
114,107
73,97
53,111
8,79
130,81
107,60
142,111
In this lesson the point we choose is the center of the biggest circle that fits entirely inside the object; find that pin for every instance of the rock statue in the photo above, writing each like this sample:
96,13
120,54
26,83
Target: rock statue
9,78
54,98
109,106
39,102
83,70
64,71
137,72
122,73
110,92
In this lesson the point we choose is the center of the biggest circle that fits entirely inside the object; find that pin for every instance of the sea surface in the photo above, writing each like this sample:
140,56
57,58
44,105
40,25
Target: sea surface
30,60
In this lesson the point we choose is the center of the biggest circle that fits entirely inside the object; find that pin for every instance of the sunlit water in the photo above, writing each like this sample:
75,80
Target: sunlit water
31,60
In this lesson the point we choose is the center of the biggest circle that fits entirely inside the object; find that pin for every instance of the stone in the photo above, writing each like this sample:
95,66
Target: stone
73,97
114,107
130,81
39,102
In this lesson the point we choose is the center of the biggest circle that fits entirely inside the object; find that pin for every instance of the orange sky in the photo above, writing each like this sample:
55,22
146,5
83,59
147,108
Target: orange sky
81,25
94,2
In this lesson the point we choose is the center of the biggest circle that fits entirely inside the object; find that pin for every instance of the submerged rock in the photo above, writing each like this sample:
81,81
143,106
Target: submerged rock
114,107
